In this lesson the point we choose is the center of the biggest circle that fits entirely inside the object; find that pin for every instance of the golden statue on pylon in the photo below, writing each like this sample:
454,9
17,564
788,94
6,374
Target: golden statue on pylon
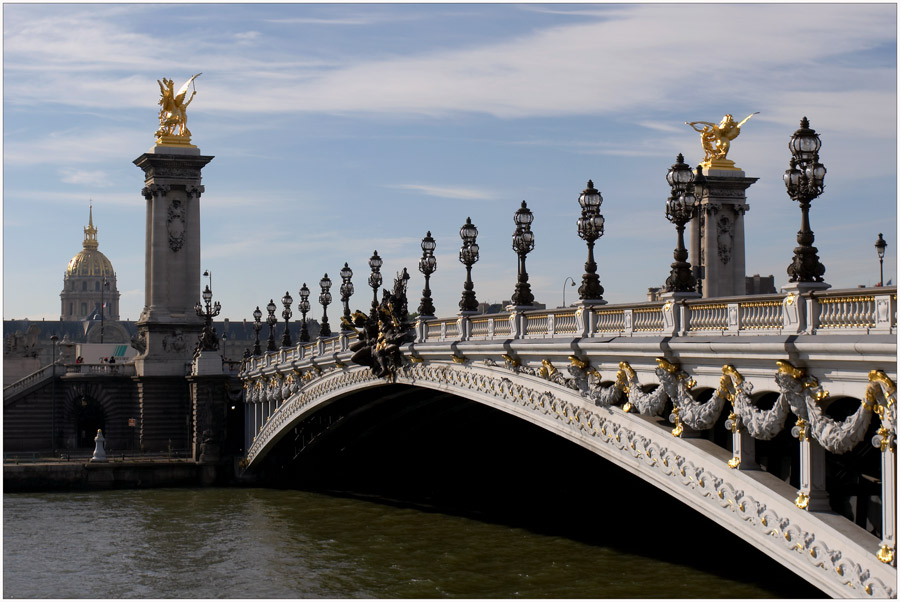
716,140
173,129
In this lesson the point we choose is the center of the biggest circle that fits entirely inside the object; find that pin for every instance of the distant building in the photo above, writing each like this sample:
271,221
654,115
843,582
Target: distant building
760,285
89,285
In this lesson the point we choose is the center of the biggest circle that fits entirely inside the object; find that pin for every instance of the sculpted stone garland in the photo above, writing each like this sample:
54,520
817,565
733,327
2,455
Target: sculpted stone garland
697,480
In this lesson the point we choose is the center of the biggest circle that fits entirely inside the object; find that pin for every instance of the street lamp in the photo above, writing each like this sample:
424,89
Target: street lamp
271,320
257,325
880,246
375,264
523,243
468,255
590,228
680,208
427,265
287,300
805,181
346,291
325,299
208,339
565,282
303,306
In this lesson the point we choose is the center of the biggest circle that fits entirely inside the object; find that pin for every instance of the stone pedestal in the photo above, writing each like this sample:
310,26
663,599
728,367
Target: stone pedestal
169,327
717,233
208,397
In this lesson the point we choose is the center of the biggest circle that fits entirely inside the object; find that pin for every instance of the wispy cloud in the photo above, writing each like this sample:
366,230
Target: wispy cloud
99,179
449,192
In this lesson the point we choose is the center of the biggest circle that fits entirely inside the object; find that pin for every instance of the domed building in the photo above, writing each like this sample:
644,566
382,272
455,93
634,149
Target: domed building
90,282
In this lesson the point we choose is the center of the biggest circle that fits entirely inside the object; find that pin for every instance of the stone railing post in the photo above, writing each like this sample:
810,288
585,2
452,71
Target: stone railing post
464,326
670,315
585,322
517,322
883,313
421,331
628,322
793,314
734,319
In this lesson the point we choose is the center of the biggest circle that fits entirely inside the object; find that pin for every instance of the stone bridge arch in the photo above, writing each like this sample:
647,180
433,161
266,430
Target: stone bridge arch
756,505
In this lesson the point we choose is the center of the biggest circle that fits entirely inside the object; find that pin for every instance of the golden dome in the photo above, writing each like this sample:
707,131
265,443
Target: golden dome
90,261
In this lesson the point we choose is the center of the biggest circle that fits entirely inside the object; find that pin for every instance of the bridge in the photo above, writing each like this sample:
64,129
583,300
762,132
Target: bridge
685,394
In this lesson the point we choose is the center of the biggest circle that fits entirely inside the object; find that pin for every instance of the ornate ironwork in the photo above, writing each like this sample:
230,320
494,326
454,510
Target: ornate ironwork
271,321
325,300
680,208
590,228
303,306
346,290
468,255
209,340
523,243
287,301
257,326
804,181
880,246
427,265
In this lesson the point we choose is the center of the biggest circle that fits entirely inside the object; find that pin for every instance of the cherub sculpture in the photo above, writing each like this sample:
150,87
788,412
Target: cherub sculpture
173,111
716,138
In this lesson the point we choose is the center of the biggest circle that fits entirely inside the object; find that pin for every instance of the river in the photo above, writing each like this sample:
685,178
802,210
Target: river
280,543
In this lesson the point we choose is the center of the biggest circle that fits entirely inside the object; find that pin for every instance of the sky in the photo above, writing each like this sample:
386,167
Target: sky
340,129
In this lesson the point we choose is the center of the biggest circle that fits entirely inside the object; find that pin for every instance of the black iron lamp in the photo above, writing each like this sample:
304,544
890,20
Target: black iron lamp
680,208
257,326
271,321
303,306
468,255
523,243
209,341
325,300
427,265
346,291
805,181
287,301
590,228
880,246
375,264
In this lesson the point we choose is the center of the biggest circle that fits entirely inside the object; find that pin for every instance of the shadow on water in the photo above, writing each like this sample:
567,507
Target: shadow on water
439,453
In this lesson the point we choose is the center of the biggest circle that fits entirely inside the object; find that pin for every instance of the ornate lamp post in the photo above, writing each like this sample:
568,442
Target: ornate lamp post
805,181
346,291
375,264
271,321
208,339
468,255
287,301
680,208
590,228
257,326
427,265
303,306
325,299
565,282
880,246
523,242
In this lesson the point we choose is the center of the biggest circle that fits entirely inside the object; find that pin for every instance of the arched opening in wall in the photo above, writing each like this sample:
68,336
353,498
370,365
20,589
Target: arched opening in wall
89,417
436,452
780,455
853,479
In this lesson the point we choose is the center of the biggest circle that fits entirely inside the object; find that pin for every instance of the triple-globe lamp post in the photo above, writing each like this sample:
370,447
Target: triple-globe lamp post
680,208
346,291
271,320
468,256
303,306
375,264
590,228
287,301
523,243
427,265
325,300
805,181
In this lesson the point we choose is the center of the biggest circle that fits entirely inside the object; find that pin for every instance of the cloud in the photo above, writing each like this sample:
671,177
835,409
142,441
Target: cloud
446,192
97,178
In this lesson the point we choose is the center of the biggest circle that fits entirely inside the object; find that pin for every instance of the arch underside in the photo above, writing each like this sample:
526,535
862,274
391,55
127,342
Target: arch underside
826,550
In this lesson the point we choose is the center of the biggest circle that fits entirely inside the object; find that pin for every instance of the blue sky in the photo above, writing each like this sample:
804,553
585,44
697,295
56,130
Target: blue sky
338,129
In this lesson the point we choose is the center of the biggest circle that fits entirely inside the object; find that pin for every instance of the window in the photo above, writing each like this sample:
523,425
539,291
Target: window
84,285
84,307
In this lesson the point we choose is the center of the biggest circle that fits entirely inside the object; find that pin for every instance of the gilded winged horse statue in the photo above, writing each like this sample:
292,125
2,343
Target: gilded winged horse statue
173,108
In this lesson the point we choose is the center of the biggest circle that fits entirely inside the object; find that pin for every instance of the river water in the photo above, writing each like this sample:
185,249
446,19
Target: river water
273,543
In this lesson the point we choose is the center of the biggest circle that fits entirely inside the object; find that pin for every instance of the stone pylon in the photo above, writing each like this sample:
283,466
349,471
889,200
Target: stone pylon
168,328
717,233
